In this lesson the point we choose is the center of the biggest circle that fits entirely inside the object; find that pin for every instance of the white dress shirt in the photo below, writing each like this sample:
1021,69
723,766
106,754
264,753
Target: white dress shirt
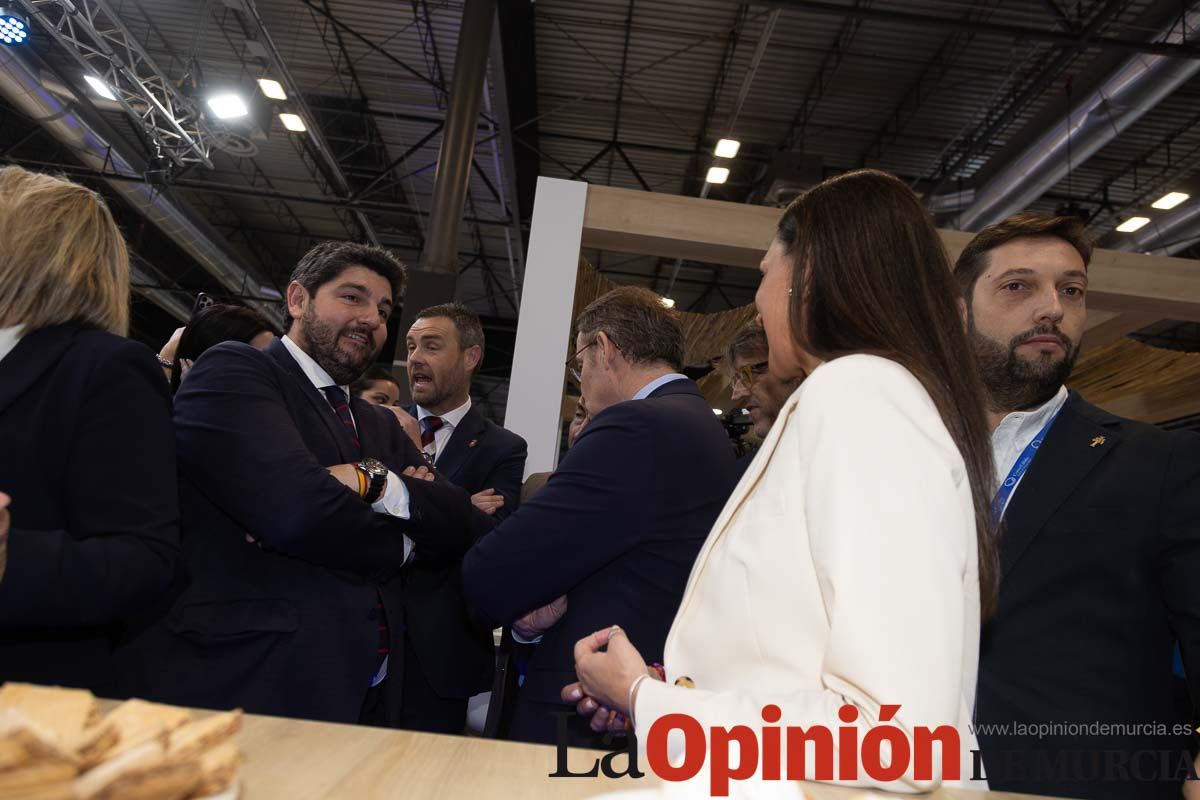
394,500
1016,431
9,338
842,570
450,421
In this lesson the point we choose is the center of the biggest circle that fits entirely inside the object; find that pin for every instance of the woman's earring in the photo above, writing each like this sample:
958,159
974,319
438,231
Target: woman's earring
789,292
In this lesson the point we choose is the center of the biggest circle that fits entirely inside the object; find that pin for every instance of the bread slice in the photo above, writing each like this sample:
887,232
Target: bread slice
64,712
219,769
25,741
138,722
141,773
200,735
95,744
59,790
22,781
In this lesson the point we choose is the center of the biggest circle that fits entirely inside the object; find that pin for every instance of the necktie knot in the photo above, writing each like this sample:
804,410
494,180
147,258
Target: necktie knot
335,396
430,426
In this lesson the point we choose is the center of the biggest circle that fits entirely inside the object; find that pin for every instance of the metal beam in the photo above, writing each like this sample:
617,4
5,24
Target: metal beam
315,137
225,188
998,120
824,74
1017,32
458,137
93,34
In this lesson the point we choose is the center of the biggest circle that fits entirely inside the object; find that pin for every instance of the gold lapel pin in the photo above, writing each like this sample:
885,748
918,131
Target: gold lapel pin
1099,440
472,443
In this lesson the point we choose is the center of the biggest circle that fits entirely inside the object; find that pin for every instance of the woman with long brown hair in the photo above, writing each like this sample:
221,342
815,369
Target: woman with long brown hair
87,451
849,570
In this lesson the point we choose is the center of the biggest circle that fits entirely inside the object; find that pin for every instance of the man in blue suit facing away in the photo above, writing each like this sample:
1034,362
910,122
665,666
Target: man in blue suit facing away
617,527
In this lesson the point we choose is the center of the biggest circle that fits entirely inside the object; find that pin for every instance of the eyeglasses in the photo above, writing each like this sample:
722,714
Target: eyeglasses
746,376
573,366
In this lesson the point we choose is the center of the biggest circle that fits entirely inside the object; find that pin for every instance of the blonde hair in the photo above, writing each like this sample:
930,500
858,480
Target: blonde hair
62,258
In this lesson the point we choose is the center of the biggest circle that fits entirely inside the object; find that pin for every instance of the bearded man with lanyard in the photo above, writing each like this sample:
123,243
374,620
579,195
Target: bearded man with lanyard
1100,544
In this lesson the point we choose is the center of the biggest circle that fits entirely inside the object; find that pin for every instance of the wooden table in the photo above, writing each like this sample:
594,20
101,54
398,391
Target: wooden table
288,759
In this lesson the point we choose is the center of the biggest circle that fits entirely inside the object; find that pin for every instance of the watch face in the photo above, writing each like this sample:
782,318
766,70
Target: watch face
374,467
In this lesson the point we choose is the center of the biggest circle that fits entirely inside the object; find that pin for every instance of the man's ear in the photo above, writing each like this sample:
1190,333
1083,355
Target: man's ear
297,300
608,350
474,355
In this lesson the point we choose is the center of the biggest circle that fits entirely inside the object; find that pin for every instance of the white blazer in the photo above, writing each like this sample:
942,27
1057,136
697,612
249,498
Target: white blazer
843,570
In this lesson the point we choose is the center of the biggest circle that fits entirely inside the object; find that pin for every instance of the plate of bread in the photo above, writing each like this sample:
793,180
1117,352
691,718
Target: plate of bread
56,744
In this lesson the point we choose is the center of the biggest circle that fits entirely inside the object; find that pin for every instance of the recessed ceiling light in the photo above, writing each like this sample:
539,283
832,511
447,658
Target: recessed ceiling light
228,106
272,89
293,123
727,148
1170,200
717,174
1133,224
668,302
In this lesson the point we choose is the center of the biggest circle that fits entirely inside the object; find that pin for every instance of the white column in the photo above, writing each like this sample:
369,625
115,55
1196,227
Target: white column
544,325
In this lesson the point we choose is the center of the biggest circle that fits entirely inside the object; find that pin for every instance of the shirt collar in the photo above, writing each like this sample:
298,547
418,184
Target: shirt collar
9,337
1020,423
314,371
653,386
451,418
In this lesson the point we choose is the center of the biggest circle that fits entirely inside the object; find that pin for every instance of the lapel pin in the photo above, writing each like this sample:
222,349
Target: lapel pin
1099,440
472,443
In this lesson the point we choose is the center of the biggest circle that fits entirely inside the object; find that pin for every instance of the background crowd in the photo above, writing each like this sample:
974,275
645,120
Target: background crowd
932,519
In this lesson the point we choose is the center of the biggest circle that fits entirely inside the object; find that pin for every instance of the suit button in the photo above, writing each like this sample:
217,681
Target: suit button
685,682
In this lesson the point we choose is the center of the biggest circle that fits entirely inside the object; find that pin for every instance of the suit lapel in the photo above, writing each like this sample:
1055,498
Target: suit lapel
345,441
1065,458
469,429
34,354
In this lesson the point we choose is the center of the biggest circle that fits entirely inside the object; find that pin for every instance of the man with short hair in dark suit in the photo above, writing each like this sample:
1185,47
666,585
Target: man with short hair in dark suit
1099,549
618,525
445,348
322,564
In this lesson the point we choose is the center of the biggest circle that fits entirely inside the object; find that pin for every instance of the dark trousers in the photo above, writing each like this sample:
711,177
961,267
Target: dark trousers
419,708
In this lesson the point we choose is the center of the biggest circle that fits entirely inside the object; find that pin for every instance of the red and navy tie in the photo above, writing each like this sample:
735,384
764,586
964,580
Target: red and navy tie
429,427
341,406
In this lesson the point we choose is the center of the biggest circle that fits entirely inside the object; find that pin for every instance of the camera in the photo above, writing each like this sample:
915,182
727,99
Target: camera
737,424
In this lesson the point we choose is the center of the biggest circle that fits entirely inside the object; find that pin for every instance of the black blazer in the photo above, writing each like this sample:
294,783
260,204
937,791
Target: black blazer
88,456
287,626
1100,564
482,455
616,529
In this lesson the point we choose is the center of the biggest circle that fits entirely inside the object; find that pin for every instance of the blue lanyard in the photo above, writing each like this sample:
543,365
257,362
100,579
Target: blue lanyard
1004,493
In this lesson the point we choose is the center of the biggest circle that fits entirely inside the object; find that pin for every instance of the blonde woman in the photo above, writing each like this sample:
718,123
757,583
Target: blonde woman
86,445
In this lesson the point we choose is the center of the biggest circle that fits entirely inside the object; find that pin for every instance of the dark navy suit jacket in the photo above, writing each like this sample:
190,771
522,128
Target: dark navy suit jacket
616,529
1100,576
482,455
88,456
286,625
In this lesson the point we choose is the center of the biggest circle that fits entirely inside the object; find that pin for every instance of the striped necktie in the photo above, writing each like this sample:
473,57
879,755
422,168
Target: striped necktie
429,427
341,406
